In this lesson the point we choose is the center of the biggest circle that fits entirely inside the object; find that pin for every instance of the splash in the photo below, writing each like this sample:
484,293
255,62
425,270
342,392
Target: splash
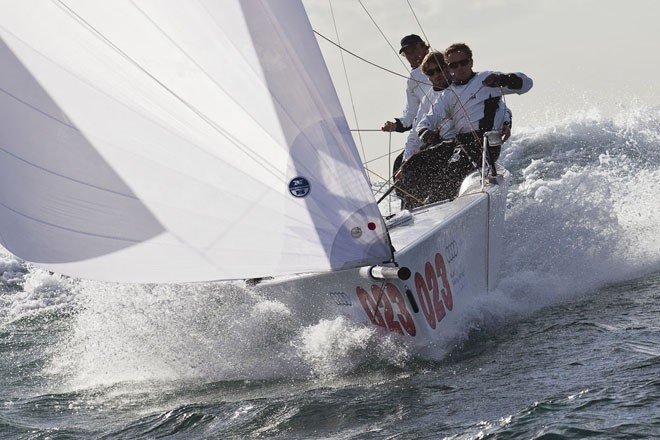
202,332
583,211
335,347
27,292
211,331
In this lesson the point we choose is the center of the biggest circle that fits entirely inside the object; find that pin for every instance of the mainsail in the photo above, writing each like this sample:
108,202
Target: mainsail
169,141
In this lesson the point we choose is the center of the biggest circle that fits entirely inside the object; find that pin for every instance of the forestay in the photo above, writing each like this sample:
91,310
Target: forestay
163,141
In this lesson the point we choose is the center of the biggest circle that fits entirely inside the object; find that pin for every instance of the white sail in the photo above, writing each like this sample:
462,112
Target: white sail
169,141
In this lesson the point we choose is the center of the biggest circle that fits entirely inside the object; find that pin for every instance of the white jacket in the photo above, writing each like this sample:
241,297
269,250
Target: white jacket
446,131
417,89
466,105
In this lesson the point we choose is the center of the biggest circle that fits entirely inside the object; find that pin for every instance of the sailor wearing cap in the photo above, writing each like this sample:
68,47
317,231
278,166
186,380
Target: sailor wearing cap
418,86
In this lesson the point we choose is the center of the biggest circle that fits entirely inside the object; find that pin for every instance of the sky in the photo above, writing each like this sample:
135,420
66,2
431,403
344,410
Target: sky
581,54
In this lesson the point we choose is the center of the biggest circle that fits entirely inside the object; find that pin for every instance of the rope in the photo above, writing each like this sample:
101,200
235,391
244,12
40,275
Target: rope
362,58
384,37
417,20
391,184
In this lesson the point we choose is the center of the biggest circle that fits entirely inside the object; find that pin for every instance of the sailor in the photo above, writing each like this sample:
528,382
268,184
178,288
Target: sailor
415,179
474,104
417,87
432,176
434,67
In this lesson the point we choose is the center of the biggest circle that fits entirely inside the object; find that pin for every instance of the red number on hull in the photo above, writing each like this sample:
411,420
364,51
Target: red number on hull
424,300
372,303
433,291
446,289
432,282
369,306
392,325
404,317
433,294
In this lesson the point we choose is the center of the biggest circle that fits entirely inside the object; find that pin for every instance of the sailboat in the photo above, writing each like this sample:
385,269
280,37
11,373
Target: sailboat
168,142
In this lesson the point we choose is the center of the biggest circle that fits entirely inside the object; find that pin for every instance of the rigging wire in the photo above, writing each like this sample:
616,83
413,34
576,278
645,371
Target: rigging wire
338,44
426,92
426,38
389,181
398,150
362,58
348,84
366,162
392,185
384,37
392,47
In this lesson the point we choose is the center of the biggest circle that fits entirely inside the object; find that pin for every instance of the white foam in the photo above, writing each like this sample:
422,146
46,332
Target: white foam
33,291
335,347
583,205
211,331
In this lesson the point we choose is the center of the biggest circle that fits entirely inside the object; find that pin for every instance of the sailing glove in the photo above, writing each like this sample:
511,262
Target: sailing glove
399,126
509,81
429,137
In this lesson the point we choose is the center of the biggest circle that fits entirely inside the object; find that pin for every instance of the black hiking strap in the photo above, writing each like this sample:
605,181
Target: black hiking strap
490,109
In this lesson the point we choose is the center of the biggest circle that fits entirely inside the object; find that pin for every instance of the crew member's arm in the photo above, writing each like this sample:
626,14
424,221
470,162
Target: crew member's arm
518,83
413,100
397,126
427,127
506,125
426,131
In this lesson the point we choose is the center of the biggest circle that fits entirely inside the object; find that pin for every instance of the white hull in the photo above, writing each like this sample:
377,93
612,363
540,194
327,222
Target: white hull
453,252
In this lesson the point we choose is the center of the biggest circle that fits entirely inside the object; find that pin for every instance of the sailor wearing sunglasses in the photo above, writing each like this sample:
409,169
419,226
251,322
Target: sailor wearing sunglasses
473,102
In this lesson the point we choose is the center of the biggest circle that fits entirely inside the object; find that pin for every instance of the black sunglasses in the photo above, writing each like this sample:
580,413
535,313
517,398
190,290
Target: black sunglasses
432,72
463,62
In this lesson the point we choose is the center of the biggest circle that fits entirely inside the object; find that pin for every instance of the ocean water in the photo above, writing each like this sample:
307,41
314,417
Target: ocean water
568,347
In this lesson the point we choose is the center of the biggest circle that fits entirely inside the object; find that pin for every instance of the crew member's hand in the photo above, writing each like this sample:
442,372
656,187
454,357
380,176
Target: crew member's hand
429,137
496,80
506,132
389,126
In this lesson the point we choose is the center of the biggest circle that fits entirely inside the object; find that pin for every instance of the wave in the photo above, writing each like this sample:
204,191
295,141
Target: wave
583,210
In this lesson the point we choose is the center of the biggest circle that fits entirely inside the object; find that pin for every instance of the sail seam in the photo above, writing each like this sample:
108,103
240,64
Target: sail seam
66,177
89,234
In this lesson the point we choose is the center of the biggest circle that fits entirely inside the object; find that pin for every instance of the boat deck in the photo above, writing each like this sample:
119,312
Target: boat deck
421,221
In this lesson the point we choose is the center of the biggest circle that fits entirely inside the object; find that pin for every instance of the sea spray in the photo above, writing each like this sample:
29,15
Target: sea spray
204,332
210,331
582,209
29,292
336,347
